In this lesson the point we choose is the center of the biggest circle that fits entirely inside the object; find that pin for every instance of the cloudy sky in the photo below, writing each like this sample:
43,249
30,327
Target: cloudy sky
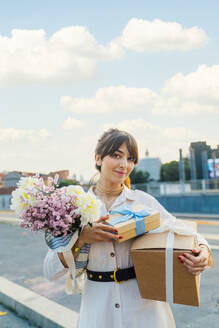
69,70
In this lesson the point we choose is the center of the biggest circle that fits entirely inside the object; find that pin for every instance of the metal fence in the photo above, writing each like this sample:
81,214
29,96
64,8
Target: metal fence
172,188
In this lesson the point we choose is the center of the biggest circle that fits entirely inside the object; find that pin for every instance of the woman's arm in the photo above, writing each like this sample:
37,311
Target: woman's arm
75,251
53,269
198,261
100,231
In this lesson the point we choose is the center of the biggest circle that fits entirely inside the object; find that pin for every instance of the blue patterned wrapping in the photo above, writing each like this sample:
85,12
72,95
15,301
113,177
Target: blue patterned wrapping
127,213
62,241
58,241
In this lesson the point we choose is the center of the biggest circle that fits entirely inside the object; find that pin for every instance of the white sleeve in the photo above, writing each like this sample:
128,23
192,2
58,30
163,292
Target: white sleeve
53,268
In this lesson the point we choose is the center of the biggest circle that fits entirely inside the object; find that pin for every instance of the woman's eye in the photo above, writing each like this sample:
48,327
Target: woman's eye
116,156
131,159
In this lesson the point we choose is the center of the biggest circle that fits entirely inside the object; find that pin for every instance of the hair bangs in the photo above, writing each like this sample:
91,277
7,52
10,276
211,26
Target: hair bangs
115,143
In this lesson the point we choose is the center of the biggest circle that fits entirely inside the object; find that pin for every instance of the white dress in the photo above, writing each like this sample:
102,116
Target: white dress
108,304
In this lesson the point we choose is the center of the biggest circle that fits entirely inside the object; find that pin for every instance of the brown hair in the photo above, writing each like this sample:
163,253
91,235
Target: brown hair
110,142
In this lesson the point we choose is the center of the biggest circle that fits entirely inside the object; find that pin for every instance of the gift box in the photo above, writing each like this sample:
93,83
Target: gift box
159,273
131,222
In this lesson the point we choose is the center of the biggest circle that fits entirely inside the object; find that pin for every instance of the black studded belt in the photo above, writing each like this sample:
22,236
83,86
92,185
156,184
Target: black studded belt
118,275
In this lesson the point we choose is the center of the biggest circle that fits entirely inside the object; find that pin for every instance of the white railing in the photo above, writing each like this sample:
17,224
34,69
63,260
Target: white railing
168,188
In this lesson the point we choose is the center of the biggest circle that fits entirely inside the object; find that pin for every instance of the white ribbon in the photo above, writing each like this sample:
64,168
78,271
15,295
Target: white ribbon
174,226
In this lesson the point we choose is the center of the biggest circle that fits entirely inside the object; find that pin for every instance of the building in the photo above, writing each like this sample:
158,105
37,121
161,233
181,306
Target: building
150,164
63,174
11,179
199,162
2,177
5,198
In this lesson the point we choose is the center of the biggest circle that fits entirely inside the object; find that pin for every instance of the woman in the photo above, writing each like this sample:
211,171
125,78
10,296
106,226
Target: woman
106,303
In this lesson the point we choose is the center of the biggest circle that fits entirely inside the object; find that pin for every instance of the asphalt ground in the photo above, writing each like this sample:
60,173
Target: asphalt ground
9,319
21,261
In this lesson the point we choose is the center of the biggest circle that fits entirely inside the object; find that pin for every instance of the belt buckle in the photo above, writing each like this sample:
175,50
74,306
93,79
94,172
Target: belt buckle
114,276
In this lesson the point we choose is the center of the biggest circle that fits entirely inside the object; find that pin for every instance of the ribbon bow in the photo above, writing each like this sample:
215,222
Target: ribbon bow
127,213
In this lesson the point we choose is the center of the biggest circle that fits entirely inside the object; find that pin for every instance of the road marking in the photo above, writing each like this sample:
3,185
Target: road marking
214,246
204,222
207,222
210,236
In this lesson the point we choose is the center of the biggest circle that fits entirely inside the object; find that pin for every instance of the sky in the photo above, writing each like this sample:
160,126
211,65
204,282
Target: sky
70,70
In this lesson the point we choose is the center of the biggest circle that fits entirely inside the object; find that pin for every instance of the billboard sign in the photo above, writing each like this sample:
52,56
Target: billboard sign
213,168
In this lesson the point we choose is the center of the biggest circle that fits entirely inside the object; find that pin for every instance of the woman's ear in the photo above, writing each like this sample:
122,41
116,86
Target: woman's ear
98,159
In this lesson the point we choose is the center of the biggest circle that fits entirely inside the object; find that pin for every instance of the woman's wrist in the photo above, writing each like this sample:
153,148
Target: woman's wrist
79,244
82,238
205,246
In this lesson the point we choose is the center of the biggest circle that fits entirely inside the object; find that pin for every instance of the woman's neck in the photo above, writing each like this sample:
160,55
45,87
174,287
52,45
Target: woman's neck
108,191
108,185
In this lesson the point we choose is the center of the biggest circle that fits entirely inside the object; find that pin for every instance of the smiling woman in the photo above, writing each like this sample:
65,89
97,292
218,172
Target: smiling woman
116,151
105,302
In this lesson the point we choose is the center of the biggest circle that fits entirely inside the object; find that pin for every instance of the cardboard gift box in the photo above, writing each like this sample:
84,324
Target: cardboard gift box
149,258
128,228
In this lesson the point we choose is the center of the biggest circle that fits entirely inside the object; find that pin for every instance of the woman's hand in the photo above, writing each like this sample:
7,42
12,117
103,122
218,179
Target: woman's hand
100,231
196,262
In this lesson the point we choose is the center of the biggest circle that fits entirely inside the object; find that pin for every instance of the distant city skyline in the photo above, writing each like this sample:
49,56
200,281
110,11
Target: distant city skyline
142,165
69,71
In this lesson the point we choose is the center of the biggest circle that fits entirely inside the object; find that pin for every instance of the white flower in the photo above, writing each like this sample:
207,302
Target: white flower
29,184
24,195
89,207
75,190
17,204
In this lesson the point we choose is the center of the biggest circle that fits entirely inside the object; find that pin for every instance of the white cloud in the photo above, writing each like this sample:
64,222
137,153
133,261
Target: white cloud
68,55
71,53
163,141
155,36
135,126
12,134
193,94
110,99
71,123
141,127
201,85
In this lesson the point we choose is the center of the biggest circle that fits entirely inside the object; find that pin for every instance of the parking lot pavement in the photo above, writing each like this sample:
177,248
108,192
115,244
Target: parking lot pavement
9,319
22,262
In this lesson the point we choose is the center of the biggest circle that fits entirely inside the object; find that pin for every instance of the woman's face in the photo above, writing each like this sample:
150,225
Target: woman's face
117,167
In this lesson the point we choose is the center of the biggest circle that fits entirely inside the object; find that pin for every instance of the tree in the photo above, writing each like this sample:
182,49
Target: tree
139,176
67,182
170,171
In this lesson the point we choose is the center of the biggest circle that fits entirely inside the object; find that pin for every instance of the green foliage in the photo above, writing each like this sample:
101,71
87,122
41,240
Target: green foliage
68,182
170,171
139,176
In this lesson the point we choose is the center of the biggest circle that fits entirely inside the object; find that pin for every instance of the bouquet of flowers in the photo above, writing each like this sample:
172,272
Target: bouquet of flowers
57,211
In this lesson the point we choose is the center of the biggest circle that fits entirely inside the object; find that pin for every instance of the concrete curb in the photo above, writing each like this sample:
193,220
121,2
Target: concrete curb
199,216
39,310
11,221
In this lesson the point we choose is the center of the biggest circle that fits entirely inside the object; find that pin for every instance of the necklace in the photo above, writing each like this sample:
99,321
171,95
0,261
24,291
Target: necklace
110,192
